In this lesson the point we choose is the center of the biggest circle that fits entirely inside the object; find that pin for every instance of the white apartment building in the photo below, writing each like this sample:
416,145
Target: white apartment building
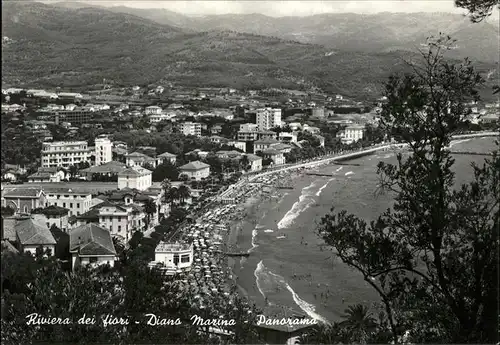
190,128
103,150
351,134
268,118
122,220
76,203
155,118
174,257
135,177
64,153
153,110
288,137
248,132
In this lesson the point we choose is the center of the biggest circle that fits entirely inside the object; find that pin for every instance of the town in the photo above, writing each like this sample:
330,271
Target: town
86,177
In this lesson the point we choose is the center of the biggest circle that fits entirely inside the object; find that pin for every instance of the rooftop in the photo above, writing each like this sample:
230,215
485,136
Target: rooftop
61,143
167,155
30,232
253,158
266,141
91,239
10,192
134,171
196,165
271,152
172,247
112,167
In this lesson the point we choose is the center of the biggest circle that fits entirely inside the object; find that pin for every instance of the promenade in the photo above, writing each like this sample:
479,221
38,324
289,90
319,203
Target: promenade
343,155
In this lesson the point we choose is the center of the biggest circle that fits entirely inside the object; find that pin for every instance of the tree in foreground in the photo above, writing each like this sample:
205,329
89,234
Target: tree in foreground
433,257
478,9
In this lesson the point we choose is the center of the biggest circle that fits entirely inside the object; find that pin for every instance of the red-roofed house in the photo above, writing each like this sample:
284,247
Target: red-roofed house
276,156
31,235
195,170
91,244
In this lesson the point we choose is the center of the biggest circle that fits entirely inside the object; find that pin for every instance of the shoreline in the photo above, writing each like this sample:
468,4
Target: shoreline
256,195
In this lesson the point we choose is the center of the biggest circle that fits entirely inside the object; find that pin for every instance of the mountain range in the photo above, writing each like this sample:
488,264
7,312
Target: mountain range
72,45
381,32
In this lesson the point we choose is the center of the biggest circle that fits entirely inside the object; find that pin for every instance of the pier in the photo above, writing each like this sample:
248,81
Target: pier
349,164
245,254
318,174
470,153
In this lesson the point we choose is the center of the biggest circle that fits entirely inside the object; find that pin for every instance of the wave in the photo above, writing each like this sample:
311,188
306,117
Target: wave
458,142
258,273
280,237
254,236
268,230
318,193
349,173
338,169
269,282
305,201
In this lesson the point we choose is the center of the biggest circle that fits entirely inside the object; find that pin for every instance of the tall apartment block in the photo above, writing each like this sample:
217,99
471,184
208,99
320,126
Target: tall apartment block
103,150
64,153
268,118
190,128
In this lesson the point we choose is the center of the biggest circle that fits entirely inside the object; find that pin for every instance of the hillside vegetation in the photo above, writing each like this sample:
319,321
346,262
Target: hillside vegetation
76,47
381,32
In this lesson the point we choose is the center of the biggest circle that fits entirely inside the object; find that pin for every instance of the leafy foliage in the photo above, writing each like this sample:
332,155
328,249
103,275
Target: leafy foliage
478,9
433,257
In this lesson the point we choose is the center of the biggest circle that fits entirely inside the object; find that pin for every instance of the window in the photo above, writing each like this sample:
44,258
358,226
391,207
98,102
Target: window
64,204
92,260
119,228
185,258
70,205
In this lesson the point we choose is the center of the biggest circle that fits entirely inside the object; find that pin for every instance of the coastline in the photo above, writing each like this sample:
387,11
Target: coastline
327,299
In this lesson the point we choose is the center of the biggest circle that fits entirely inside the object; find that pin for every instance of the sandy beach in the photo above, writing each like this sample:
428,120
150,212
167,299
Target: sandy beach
288,263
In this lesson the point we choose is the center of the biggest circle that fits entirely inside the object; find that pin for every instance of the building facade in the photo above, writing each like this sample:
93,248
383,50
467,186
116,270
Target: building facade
64,153
103,150
248,132
31,235
135,177
153,110
190,128
195,170
276,156
174,257
352,134
76,203
23,200
268,118
92,245
255,162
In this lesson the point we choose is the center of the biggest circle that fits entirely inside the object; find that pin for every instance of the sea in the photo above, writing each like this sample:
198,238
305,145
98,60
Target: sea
291,266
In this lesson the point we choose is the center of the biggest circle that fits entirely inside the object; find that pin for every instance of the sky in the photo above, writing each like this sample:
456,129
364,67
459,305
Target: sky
289,8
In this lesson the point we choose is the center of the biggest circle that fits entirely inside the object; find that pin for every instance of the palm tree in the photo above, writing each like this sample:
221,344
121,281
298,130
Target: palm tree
321,335
359,323
183,193
150,209
172,195
244,162
166,185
